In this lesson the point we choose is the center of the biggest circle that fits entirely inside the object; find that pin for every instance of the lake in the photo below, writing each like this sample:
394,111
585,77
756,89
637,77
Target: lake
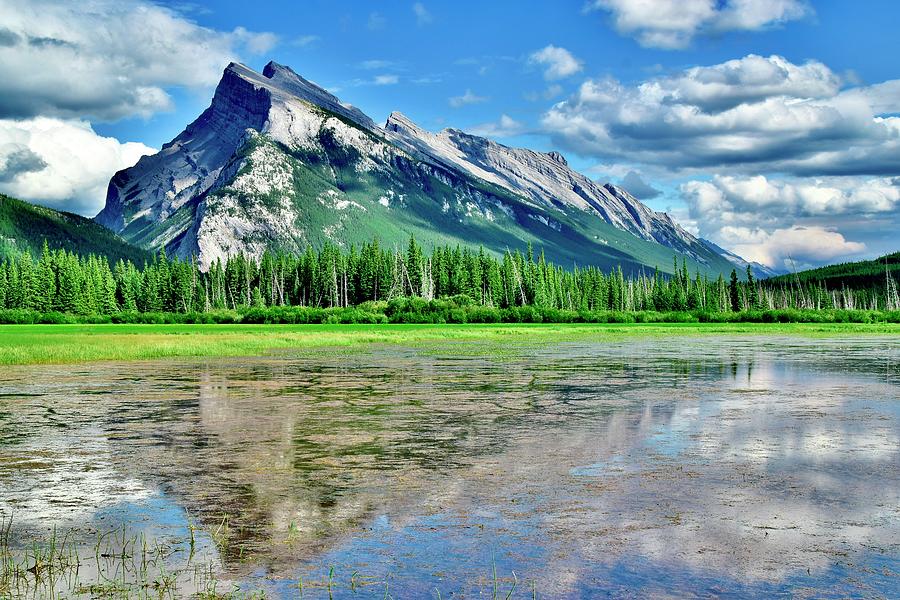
682,467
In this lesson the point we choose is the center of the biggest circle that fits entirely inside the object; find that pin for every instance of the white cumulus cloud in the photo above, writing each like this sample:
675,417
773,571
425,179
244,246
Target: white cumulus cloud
673,24
558,62
741,200
62,164
792,247
750,115
770,220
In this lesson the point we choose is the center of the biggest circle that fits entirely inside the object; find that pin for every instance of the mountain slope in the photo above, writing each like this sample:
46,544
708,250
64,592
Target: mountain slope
855,275
277,162
24,227
544,178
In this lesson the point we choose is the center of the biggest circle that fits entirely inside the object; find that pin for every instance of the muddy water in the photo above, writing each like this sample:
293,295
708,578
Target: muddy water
647,468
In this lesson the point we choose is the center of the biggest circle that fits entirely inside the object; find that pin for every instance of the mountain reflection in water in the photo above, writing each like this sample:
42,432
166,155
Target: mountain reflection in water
703,466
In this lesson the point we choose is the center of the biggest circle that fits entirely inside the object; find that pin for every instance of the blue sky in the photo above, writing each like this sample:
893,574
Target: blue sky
769,126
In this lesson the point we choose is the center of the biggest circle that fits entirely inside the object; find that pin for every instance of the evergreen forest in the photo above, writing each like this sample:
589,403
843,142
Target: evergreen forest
373,283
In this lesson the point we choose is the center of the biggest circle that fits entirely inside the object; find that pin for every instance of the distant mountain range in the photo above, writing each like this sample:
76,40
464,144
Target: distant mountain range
24,227
277,162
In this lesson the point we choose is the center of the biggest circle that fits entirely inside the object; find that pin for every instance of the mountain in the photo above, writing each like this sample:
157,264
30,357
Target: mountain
278,162
759,270
24,227
854,275
545,180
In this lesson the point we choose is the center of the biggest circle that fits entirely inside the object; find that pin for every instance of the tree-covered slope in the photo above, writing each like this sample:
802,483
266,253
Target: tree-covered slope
859,274
24,227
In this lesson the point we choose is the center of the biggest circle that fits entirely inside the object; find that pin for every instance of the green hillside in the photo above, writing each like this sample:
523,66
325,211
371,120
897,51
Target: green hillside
24,227
860,274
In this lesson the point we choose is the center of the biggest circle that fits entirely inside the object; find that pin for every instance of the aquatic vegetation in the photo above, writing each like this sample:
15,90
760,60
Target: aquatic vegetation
116,564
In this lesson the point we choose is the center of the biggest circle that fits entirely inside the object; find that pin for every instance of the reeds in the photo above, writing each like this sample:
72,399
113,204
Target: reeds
117,564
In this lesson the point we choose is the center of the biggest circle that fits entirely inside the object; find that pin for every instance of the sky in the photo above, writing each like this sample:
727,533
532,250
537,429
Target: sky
771,127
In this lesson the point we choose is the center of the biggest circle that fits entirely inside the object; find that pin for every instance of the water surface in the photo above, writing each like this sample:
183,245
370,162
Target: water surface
688,467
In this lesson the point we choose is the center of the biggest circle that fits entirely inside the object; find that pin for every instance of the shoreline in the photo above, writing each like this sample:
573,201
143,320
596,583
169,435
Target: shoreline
77,343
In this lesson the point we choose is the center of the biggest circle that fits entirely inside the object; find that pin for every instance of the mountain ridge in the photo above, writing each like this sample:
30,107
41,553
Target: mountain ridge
548,178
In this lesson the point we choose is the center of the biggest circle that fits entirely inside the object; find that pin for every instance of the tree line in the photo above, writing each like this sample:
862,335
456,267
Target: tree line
329,277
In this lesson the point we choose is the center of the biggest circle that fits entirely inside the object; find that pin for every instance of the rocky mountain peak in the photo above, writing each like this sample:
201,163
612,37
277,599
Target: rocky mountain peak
285,85
400,123
273,69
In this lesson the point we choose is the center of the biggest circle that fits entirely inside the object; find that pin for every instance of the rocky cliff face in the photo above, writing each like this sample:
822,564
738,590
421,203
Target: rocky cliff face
277,162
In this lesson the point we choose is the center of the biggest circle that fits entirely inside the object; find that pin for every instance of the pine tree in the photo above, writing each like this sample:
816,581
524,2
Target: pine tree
108,302
45,281
752,295
257,298
70,296
695,296
733,292
414,269
149,299
330,277
27,281
3,285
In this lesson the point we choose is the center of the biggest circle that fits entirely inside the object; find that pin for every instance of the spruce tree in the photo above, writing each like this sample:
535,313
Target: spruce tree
150,300
733,292
71,285
413,268
108,301
752,296
45,284
27,283
257,298
3,284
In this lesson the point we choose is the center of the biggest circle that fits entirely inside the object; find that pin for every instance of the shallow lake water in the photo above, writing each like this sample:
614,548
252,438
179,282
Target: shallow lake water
677,467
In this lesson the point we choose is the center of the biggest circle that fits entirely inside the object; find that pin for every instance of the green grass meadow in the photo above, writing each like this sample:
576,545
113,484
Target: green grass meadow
60,344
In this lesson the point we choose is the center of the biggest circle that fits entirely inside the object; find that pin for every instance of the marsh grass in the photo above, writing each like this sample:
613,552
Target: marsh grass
117,564
60,344
56,567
